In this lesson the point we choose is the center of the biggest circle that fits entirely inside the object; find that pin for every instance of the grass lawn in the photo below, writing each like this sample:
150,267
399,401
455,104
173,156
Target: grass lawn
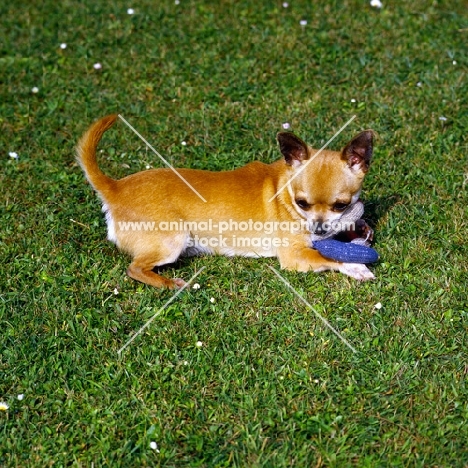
270,386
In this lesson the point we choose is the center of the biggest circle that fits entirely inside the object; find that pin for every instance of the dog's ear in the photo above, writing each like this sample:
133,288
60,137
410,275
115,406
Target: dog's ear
358,152
293,148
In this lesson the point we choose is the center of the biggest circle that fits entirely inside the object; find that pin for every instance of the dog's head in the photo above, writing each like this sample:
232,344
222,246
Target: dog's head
323,184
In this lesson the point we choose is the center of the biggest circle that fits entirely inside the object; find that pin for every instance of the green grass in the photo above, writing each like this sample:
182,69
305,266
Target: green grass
270,387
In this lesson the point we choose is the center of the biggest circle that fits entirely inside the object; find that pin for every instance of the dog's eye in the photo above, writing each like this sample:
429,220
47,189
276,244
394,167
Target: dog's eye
302,204
340,206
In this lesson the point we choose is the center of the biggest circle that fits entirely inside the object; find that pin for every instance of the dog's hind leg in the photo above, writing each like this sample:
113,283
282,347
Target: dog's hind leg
142,270
157,252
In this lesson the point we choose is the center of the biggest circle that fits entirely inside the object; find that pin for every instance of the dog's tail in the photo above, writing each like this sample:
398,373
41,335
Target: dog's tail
86,155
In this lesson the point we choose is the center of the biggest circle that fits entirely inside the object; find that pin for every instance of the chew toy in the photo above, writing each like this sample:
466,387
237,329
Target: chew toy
356,251
346,252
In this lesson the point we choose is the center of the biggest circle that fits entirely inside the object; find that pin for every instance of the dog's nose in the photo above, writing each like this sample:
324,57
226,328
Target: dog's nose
318,227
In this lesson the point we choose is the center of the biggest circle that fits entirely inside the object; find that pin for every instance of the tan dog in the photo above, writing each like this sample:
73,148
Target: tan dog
259,210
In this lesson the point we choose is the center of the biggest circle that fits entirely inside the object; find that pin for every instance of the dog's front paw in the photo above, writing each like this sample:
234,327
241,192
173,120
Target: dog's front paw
357,271
178,283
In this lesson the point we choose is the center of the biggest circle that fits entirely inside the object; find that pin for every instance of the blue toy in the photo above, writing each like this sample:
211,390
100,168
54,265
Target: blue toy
346,252
356,251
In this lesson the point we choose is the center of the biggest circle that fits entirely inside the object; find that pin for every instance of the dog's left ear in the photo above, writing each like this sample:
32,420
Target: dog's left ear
358,152
293,148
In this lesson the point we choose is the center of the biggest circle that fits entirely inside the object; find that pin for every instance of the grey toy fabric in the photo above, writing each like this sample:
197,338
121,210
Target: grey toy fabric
352,214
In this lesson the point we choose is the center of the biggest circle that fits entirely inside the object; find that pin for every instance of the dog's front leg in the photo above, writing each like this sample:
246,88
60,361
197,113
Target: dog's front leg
306,259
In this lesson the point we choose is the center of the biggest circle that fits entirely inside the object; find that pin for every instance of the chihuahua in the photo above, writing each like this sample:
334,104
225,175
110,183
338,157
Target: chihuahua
259,210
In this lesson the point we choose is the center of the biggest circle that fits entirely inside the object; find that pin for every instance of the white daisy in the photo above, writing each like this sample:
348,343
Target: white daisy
154,446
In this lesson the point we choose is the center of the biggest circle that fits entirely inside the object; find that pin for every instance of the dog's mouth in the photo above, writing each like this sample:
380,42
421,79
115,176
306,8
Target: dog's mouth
320,230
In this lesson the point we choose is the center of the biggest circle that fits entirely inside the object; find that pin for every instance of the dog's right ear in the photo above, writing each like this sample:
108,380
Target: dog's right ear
293,148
